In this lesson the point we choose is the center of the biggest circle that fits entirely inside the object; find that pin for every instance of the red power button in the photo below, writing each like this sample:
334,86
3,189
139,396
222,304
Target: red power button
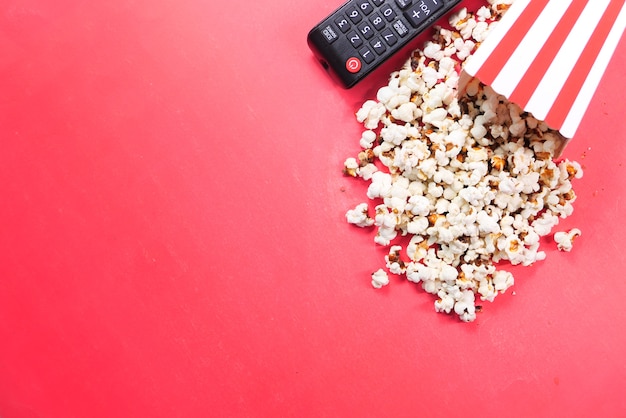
353,65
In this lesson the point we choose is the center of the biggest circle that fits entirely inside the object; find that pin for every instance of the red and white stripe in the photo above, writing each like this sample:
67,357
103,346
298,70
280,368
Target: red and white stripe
548,56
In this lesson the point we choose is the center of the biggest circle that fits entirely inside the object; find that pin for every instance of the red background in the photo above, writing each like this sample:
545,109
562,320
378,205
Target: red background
173,240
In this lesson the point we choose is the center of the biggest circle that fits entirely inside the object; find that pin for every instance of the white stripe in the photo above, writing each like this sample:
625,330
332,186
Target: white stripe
553,80
595,75
473,64
517,65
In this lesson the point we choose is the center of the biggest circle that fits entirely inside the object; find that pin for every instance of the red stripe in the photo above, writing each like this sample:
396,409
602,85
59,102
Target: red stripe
567,96
502,52
533,76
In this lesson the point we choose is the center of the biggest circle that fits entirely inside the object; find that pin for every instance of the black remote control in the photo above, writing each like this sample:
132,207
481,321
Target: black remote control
362,34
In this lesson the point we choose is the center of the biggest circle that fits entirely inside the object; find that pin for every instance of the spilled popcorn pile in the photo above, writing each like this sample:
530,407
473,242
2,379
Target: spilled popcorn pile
470,181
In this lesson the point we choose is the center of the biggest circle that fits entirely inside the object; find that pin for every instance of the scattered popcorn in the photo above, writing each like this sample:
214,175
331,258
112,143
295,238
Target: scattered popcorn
393,261
470,181
380,278
370,114
359,217
367,139
350,167
565,240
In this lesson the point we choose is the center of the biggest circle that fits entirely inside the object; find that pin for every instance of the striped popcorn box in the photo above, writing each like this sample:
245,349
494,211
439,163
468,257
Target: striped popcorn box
548,56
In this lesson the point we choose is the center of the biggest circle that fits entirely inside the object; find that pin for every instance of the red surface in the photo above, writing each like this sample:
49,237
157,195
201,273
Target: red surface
173,243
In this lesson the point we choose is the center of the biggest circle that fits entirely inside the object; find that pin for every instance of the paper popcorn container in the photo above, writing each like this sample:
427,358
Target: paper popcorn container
549,56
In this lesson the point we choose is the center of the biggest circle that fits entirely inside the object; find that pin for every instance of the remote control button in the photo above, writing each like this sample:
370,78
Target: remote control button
342,24
418,13
379,46
403,4
401,28
355,39
378,2
365,7
330,34
388,12
354,15
367,54
389,36
377,21
366,30
353,65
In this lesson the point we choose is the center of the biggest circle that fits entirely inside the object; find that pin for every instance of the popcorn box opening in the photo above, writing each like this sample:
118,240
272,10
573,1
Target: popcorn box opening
548,57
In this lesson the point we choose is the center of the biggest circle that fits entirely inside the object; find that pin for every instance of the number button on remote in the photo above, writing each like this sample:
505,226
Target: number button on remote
388,13
379,46
343,24
367,54
354,15
365,7
366,30
389,37
377,21
355,39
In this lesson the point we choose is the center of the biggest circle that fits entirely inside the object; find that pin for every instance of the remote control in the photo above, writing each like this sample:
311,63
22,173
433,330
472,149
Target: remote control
362,34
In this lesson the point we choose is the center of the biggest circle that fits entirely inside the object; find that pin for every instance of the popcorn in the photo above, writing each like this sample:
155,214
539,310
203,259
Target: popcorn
483,14
480,31
487,224
386,223
359,217
366,172
394,134
405,112
565,240
350,167
380,185
464,307
544,224
371,113
463,48
470,180
367,139
433,50
502,280
445,303
393,261
380,278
